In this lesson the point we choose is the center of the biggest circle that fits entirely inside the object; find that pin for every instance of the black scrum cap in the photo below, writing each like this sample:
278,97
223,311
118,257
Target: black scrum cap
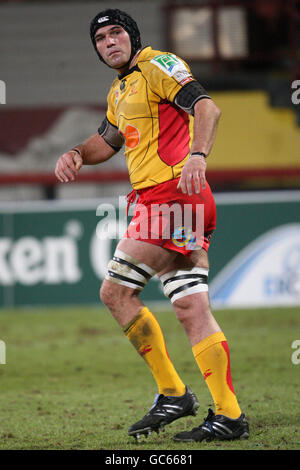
115,16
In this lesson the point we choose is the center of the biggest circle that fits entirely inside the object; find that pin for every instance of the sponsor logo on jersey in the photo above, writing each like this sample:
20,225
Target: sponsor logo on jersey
133,89
117,97
186,80
132,136
172,66
183,77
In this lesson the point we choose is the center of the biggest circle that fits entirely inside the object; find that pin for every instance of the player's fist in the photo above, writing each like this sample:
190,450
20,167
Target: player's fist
67,166
192,178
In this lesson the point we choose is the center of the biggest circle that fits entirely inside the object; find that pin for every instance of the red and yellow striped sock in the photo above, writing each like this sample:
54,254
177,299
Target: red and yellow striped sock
212,357
146,336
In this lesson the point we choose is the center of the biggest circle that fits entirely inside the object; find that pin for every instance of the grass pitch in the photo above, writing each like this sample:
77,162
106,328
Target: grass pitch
72,380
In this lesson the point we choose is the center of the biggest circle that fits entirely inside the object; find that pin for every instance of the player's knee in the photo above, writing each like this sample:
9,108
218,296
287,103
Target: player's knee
186,316
183,304
108,295
112,295
189,308
184,311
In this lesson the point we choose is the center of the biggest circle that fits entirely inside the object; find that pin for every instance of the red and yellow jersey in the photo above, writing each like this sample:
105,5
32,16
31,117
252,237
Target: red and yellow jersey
157,133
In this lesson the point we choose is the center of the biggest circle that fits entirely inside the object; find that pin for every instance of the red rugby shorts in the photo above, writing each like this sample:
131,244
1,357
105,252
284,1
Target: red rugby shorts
166,217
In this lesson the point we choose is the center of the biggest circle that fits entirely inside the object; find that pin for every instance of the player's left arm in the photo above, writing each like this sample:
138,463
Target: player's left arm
206,117
171,78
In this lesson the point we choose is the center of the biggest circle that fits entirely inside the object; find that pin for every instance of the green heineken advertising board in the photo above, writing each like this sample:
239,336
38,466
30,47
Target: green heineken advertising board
51,252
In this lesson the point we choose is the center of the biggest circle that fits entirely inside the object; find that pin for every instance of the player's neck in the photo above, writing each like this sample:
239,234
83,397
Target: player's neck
132,63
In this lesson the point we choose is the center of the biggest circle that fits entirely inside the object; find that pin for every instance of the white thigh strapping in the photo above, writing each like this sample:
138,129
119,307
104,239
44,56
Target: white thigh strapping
127,271
182,282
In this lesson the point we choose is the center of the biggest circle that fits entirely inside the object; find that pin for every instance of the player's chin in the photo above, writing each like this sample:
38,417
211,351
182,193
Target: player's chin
116,62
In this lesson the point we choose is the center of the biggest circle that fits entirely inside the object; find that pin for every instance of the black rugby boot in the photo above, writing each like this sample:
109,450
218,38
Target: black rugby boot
165,410
216,427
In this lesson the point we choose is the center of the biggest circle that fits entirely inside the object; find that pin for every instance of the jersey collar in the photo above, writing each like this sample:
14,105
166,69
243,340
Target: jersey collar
135,67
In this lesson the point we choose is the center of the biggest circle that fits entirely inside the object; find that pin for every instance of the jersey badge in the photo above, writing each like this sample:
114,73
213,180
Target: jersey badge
133,88
173,66
123,85
116,97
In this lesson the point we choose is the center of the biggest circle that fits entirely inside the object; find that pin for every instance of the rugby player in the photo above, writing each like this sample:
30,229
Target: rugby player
168,123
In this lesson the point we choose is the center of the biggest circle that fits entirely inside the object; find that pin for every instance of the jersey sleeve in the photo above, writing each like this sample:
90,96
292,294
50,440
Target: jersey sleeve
110,113
167,74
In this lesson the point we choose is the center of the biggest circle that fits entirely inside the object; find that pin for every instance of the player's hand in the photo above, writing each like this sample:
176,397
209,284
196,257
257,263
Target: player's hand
193,176
67,166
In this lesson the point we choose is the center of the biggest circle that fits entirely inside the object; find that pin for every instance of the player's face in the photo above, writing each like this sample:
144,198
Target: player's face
113,43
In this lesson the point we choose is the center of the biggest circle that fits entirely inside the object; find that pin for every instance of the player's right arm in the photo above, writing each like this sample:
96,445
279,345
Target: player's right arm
96,149
91,152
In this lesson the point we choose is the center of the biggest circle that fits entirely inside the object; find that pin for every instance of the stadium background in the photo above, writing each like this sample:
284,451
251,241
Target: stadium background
246,56
68,379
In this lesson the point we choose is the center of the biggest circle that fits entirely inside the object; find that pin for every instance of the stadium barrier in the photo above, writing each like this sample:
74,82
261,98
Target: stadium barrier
225,178
50,253
215,177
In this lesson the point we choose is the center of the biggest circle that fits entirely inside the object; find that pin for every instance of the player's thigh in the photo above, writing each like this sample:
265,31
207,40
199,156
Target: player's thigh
133,264
152,255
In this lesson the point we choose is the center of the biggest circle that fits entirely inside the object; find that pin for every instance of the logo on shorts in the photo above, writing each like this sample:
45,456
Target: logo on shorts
184,237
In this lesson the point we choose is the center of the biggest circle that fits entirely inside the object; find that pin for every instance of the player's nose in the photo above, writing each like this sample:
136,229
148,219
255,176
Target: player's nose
110,41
